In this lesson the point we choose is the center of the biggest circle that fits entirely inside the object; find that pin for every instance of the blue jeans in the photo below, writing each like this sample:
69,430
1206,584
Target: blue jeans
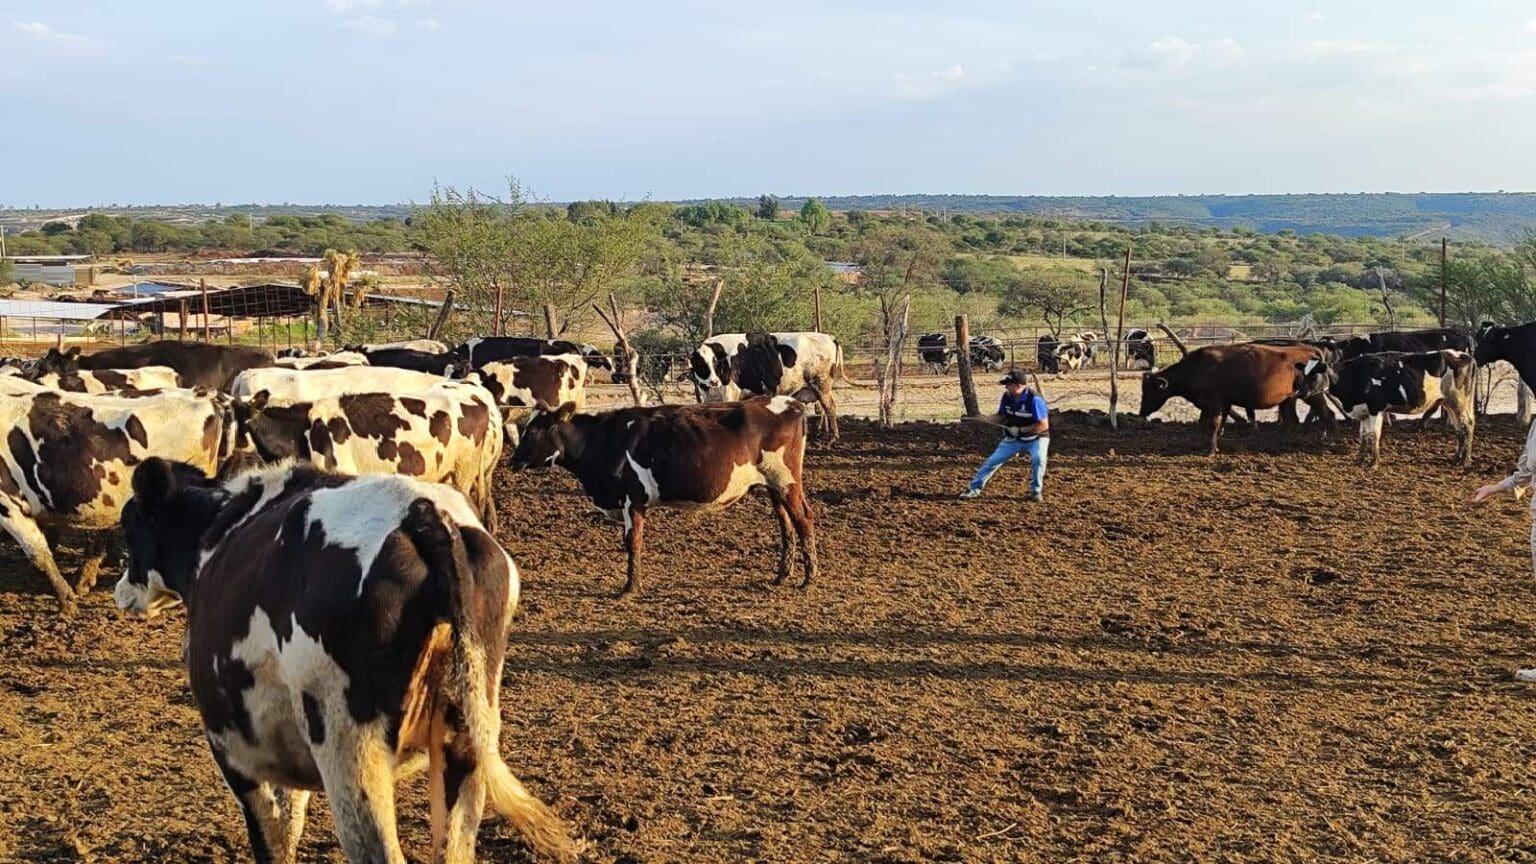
1008,448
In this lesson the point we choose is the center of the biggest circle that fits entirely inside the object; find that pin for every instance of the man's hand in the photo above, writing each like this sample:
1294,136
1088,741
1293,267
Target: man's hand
1484,493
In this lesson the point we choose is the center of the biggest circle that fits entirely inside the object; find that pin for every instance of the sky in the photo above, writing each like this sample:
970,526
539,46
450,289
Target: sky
372,101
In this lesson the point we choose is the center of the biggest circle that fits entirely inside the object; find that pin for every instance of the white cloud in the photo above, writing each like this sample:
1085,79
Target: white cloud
930,85
341,7
372,25
1312,18
429,24
40,32
1530,26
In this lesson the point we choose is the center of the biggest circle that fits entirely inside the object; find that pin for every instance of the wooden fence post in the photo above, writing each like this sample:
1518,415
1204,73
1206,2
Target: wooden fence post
818,309
709,313
181,331
443,312
631,359
893,365
1114,348
203,284
1114,380
963,355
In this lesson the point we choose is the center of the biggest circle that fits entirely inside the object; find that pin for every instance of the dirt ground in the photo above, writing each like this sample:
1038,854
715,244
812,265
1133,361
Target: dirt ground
1271,655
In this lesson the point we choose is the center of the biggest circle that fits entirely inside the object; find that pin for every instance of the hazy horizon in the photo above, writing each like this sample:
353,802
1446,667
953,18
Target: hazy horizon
374,100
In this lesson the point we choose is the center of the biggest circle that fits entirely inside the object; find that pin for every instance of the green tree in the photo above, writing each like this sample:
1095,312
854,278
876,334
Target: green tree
1057,294
767,207
815,215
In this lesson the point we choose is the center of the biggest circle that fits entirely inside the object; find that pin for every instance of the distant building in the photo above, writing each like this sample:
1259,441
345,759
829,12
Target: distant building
47,269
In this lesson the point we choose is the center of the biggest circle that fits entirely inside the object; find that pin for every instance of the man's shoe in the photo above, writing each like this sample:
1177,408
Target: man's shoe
969,494
1035,498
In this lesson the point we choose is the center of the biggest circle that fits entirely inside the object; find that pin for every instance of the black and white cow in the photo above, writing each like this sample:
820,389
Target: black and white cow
198,364
934,353
321,361
1515,345
338,630
1047,355
1408,341
419,361
449,434
1139,348
730,366
689,456
987,353
287,386
1088,342
60,371
1373,385
481,350
68,458
525,382
430,346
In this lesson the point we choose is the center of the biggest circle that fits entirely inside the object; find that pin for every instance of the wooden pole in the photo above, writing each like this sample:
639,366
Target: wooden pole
549,319
443,312
709,313
1114,348
818,309
203,284
1125,290
181,330
499,296
631,359
1443,244
893,365
963,356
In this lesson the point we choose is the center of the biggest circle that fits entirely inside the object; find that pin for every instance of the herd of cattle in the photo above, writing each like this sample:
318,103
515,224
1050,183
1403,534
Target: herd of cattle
329,521
1052,355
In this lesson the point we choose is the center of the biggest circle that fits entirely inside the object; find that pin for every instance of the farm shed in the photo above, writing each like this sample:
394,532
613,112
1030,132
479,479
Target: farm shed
47,269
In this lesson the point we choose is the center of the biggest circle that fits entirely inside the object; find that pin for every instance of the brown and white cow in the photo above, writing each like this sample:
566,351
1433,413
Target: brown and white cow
338,629
689,456
68,458
449,434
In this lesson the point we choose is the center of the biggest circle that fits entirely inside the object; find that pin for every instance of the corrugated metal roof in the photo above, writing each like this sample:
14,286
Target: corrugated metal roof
54,309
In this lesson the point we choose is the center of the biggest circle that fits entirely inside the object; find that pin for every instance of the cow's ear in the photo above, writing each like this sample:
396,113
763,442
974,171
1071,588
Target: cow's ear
258,403
73,353
565,412
153,483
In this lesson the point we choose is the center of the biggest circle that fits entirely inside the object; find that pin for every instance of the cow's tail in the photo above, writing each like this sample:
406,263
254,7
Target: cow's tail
470,684
838,374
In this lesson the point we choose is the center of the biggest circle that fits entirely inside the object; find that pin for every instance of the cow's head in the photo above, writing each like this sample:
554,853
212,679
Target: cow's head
595,358
172,505
1154,392
1495,343
1356,346
65,364
1314,378
710,367
545,439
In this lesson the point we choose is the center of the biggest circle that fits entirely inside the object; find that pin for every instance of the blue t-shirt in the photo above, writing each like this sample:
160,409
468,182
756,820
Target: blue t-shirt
1027,410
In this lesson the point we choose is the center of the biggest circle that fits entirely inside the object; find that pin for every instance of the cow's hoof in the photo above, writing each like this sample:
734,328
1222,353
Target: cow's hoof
779,579
68,608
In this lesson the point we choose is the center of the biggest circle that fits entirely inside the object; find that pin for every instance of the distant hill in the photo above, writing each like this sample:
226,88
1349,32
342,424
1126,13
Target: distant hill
1494,217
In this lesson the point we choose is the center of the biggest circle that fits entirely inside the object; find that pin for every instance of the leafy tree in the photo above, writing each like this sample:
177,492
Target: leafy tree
1057,294
54,229
767,207
1183,267
815,215
7,271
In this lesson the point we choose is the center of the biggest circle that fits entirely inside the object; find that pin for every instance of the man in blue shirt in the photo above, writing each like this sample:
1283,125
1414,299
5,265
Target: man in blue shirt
1026,429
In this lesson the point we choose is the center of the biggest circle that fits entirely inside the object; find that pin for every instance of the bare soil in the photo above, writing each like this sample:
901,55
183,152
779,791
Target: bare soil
1271,655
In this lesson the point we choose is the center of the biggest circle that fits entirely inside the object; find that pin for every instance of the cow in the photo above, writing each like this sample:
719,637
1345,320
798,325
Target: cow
419,361
934,352
322,361
449,434
1371,386
1408,341
287,386
1071,354
480,350
1139,348
1089,341
55,372
339,629
1329,349
198,364
525,382
632,459
1217,378
987,353
1515,345
430,346
731,365
1046,356
68,458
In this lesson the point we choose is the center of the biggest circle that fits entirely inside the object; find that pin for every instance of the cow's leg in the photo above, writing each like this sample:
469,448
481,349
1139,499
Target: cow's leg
488,508
799,510
1210,424
95,552
25,531
1290,418
1460,414
634,545
265,825
828,405
1370,439
456,787
295,804
786,528
357,768
1429,414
